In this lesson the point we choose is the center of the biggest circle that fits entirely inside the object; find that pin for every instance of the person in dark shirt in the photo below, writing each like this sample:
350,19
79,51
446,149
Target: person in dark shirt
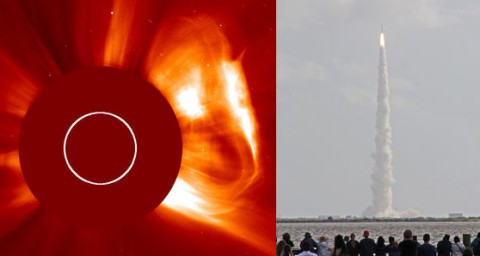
407,247
367,245
279,248
346,239
392,247
467,252
339,248
444,247
426,249
353,246
287,251
306,248
416,241
308,237
475,245
287,239
380,249
282,243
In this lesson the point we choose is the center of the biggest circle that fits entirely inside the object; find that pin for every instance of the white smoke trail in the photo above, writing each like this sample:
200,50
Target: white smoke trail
382,176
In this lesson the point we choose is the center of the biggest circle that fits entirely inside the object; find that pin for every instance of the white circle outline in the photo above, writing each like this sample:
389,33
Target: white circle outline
78,175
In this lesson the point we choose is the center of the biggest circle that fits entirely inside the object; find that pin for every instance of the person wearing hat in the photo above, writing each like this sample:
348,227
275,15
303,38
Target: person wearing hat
314,245
367,245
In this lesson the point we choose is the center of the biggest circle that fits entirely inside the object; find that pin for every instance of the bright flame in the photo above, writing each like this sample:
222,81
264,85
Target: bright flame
382,40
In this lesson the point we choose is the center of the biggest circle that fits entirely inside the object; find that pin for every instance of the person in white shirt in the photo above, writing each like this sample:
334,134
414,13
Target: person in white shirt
457,247
323,249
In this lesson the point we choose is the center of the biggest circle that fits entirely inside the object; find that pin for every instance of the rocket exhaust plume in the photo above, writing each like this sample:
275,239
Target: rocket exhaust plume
382,176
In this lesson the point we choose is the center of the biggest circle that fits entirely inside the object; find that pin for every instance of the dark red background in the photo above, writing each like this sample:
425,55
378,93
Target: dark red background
100,148
90,90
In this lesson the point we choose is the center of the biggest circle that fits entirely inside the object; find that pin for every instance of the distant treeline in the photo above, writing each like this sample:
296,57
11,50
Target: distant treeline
416,219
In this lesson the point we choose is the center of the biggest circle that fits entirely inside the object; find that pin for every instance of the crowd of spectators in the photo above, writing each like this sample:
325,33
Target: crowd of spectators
348,246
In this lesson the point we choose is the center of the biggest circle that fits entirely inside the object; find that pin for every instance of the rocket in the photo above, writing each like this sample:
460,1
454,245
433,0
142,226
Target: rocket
382,38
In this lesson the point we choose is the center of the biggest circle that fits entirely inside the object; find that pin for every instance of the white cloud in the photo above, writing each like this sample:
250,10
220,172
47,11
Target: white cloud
313,71
359,96
401,84
305,14
400,102
427,13
290,69
351,68
398,88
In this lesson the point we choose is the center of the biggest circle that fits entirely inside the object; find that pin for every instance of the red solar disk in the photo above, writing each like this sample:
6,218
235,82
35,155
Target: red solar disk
100,147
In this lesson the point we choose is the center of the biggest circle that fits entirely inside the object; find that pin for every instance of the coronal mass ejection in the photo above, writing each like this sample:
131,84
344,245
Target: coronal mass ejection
137,127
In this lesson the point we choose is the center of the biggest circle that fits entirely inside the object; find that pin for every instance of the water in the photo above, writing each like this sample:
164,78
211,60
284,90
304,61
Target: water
436,230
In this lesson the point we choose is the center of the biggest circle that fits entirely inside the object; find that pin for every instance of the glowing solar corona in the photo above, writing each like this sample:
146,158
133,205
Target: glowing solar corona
83,178
238,98
213,64
189,102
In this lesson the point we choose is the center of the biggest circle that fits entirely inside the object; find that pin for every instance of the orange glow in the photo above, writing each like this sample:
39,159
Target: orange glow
18,209
21,202
18,89
117,35
10,160
208,91
23,197
188,99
